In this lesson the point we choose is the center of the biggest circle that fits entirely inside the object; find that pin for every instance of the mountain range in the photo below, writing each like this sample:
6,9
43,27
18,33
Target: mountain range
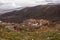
49,12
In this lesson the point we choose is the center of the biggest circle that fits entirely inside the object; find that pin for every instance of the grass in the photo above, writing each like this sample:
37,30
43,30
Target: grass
7,34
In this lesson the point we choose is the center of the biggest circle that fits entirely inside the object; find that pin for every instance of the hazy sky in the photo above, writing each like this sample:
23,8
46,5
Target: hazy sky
9,4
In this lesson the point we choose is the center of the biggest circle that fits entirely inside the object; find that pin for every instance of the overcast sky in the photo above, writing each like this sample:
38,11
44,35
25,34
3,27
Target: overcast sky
9,4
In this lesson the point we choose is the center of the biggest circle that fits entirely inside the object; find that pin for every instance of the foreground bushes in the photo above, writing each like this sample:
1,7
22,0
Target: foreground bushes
28,25
6,34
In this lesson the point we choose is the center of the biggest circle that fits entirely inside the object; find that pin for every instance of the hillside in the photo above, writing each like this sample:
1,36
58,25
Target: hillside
31,23
50,12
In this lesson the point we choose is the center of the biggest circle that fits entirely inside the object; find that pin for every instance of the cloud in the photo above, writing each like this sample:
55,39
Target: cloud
9,4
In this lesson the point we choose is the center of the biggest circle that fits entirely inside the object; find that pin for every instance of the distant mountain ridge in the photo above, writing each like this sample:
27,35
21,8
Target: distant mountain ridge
2,11
50,12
